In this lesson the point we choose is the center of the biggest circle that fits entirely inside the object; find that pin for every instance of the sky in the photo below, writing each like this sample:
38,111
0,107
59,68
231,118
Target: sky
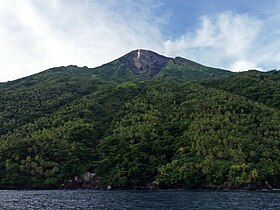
237,35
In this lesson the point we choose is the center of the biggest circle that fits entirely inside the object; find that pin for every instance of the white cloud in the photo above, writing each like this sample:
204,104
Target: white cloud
36,35
243,65
224,40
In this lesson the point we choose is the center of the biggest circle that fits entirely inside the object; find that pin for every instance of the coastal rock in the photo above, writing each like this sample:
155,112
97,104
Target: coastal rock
86,181
153,187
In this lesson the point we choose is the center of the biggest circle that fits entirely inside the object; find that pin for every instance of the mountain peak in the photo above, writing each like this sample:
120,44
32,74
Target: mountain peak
144,62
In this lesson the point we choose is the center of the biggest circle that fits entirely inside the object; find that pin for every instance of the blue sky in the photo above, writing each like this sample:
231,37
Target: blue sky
238,35
185,13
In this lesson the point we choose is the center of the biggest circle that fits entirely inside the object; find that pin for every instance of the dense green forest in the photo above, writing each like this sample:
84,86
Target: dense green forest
186,125
263,87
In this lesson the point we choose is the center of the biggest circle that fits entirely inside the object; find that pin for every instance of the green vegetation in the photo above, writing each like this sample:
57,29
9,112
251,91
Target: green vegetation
181,69
169,131
190,136
263,87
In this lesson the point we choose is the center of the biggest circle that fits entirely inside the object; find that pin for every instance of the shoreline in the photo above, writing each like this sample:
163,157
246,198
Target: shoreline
139,189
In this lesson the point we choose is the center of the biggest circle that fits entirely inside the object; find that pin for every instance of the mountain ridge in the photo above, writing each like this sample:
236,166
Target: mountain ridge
149,65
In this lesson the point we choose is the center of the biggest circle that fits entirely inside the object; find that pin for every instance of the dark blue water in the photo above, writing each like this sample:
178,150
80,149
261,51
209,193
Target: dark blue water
89,199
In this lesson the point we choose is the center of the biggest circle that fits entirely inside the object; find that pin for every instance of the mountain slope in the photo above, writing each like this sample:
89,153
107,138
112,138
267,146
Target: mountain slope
186,70
263,87
145,62
131,134
151,65
29,98
140,120
197,137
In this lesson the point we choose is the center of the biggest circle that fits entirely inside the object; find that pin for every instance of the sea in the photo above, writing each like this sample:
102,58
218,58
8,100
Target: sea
162,199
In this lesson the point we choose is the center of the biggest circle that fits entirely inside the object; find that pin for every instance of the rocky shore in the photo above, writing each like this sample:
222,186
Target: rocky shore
92,181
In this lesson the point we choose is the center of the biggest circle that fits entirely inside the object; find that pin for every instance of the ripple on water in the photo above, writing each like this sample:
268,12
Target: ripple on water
91,199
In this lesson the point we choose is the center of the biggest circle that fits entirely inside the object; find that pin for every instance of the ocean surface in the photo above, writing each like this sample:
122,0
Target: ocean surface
167,199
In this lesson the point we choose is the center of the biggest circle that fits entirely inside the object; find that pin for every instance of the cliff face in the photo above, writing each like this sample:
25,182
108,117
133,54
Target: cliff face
144,62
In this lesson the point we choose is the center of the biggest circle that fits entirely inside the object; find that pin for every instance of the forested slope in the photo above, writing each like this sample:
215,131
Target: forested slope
263,87
190,136
150,125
